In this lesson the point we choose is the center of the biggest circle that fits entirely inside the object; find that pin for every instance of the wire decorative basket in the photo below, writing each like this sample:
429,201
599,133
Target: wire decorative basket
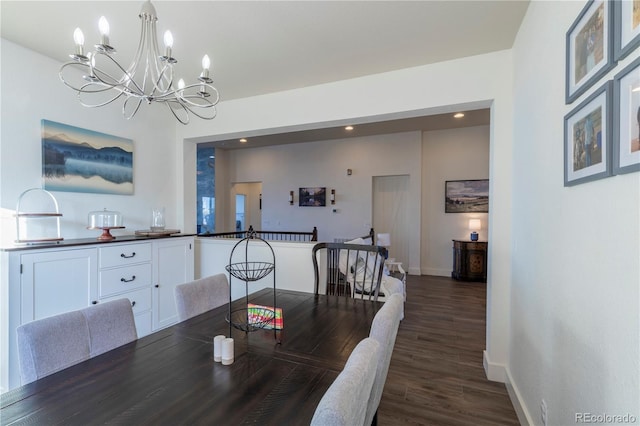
250,271
241,268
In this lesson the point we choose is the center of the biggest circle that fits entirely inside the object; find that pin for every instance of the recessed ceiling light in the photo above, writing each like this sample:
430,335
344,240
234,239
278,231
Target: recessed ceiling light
349,128
458,115
243,140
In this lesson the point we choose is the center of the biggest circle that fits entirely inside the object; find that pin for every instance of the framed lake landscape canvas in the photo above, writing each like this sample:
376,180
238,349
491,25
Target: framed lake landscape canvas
81,160
466,196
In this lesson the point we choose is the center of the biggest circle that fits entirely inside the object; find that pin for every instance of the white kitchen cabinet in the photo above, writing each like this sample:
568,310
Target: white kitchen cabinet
53,282
45,281
172,265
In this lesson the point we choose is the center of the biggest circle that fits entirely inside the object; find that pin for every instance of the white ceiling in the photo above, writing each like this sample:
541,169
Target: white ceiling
260,47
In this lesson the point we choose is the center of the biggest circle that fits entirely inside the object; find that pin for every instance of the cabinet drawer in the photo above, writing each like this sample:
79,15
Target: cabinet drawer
140,300
126,254
120,280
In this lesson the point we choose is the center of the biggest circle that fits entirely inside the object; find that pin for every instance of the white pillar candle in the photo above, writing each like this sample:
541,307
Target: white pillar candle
217,347
227,351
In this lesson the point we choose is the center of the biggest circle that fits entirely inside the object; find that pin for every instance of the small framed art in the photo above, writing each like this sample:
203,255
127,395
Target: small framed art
627,27
589,48
626,119
312,197
587,138
466,196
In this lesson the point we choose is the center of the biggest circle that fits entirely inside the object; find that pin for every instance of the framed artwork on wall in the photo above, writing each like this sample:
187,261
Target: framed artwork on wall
466,196
587,138
626,119
589,50
313,197
627,27
81,160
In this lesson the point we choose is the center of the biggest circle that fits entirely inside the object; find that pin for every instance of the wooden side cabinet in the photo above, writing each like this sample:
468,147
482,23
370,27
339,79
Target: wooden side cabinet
469,260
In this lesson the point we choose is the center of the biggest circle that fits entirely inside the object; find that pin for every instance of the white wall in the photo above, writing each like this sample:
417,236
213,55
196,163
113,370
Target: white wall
576,253
455,154
32,91
288,167
293,263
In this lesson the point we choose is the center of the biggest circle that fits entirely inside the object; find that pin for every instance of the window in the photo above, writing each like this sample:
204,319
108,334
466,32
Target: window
206,190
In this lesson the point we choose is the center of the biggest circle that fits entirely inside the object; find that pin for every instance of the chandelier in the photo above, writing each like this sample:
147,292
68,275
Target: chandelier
149,77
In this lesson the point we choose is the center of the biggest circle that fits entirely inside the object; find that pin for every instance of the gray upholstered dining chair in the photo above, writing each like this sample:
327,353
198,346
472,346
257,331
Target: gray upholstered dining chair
196,297
345,402
52,344
384,330
396,286
111,325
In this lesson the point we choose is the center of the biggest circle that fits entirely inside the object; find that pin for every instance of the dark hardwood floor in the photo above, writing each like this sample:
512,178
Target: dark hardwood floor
436,375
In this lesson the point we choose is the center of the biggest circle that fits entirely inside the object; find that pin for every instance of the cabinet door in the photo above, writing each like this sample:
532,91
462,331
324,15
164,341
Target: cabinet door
57,281
172,265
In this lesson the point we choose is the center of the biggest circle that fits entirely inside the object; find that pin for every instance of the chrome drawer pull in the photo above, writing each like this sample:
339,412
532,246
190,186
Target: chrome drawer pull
127,257
124,280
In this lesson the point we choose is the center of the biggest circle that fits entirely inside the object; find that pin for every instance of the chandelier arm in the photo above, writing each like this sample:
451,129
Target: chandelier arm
157,61
104,86
84,104
185,122
156,86
138,55
186,100
214,91
187,106
215,112
126,102
70,64
126,77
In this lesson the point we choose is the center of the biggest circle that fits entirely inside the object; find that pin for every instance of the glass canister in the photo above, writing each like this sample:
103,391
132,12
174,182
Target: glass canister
157,219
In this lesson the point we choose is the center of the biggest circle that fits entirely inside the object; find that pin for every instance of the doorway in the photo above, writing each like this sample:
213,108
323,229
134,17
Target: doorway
240,208
390,213
247,202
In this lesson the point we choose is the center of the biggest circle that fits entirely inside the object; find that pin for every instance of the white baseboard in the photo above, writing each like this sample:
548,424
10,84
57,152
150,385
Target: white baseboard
437,272
494,371
414,271
501,373
524,417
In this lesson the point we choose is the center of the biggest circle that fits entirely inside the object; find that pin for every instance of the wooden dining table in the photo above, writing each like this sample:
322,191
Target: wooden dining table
170,378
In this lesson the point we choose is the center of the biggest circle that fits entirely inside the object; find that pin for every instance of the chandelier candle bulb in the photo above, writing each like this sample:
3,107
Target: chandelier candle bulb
168,43
103,25
206,63
227,351
78,39
217,347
